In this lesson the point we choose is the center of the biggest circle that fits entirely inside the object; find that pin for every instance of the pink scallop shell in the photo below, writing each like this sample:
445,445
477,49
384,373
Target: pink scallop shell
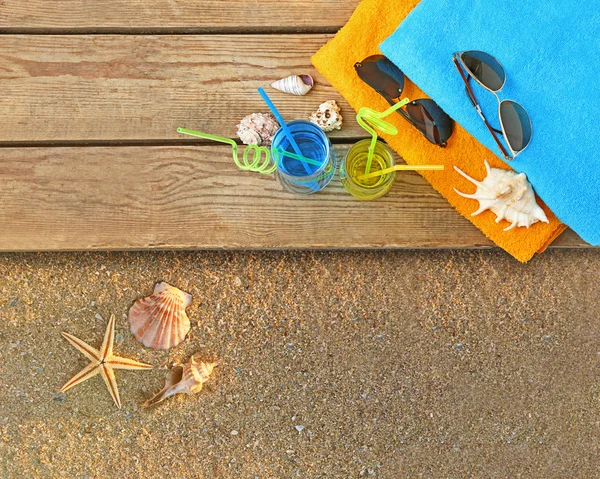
159,321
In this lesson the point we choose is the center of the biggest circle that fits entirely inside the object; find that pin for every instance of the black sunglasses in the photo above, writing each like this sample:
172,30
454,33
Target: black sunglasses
387,79
490,74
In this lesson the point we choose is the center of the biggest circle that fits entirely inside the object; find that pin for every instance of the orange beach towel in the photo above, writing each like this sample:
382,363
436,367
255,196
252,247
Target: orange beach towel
372,22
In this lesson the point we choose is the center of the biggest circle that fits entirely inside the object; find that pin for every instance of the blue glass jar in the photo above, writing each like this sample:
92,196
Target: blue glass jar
297,176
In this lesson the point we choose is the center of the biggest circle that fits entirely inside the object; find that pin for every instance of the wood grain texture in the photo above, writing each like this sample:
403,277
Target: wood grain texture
194,197
85,88
196,14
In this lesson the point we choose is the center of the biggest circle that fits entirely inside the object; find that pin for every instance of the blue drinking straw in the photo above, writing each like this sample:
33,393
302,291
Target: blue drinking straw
284,127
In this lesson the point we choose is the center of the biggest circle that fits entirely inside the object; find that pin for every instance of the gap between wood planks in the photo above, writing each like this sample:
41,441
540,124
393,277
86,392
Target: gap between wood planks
128,143
157,31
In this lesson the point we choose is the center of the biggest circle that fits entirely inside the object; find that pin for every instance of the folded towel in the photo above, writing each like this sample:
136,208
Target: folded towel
370,24
550,51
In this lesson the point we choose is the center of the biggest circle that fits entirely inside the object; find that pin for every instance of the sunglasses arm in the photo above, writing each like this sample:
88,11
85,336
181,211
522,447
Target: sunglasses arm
478,108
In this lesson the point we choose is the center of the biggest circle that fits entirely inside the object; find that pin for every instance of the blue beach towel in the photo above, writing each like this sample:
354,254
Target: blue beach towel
551,53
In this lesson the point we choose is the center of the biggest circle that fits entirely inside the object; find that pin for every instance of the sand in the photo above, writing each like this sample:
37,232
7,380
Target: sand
427,364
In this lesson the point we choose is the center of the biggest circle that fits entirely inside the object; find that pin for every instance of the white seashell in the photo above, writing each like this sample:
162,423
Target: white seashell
508,195
159,321
258,129
295,84
183,379
327,117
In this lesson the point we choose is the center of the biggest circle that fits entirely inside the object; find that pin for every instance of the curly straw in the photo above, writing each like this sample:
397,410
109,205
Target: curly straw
258,163
370,120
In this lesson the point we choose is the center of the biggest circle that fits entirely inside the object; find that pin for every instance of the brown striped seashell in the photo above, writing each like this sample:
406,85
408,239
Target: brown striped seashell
159,321
295,84
183,379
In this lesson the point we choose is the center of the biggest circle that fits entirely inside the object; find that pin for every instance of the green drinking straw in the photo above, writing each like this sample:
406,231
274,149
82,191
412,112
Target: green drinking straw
391,169
258,164
370,120
281,152
284,127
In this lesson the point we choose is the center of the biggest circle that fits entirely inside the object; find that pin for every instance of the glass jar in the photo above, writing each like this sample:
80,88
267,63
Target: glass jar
297,176
354,164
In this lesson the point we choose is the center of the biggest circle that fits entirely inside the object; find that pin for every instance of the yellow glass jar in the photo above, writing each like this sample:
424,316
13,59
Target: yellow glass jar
354,165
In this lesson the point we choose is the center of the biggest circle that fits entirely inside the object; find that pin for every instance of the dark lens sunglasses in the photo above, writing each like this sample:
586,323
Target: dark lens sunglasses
490,74
387,79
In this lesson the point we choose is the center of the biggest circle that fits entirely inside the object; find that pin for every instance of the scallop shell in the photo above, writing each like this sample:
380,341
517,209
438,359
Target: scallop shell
159,321
295,84
258,129
508,195
183,379
327,117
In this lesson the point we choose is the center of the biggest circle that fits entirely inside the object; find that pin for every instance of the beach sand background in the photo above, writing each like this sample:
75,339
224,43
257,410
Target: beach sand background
427,364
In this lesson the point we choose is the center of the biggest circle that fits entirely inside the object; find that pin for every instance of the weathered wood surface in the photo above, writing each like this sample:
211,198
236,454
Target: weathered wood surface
119,87
194,197
175,14
112,83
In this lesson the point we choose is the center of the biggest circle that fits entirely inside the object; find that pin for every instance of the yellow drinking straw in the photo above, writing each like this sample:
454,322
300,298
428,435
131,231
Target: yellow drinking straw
391,169
371,120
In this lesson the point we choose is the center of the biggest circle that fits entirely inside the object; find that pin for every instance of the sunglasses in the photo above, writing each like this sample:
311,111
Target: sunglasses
490,74
387,79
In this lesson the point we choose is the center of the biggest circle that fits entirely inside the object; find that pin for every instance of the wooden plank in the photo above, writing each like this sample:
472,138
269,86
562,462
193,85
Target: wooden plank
194,197
85,88
160,14
569,239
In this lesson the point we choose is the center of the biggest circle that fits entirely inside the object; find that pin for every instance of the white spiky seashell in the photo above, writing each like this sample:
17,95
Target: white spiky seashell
327,117
508,195
159,321
183,379
295,84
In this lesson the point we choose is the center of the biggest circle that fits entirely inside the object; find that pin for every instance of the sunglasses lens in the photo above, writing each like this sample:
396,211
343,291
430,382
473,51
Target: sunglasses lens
431,120
381,75
516,124
485,68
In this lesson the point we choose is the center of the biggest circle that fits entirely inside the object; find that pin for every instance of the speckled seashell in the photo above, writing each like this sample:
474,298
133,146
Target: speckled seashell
258,129
295,84
327,117
159,321
508,195
183,379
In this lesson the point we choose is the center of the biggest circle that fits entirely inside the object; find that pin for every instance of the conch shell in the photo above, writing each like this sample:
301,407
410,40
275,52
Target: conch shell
508,195
159,321
295,84
327,117
258,129
183,379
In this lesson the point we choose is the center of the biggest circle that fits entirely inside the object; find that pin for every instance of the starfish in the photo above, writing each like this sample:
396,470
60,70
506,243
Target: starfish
102,361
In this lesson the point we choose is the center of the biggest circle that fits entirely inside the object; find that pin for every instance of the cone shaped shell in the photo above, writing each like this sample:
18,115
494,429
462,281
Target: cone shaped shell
183,379
294,84
159,321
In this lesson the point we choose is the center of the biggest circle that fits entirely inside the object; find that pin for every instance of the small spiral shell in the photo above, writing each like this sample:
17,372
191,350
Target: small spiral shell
295,84
185,378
